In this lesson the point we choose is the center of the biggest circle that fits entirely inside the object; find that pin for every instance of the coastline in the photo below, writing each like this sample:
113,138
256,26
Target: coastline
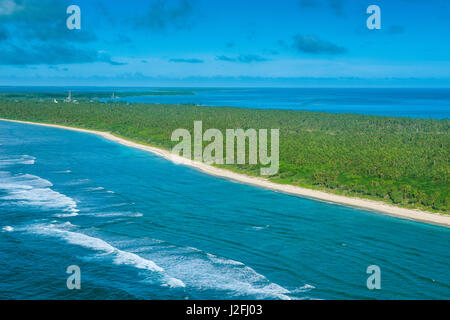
372,205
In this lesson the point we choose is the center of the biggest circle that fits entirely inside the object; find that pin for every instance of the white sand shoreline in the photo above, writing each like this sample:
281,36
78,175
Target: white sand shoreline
411,214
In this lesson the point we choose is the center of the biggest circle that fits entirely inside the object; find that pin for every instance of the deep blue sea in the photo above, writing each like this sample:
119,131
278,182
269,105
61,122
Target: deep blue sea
416,103
141,227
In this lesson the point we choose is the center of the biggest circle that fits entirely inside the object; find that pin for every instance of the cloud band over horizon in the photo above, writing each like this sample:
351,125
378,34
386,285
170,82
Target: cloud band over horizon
199,38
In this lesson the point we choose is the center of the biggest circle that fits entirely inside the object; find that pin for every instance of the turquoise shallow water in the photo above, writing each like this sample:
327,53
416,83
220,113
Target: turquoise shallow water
140,227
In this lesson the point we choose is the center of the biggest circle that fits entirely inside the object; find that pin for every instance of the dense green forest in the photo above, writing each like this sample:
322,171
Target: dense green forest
403,161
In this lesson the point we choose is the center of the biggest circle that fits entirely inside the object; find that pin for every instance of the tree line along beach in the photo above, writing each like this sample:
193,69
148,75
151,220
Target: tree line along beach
401,163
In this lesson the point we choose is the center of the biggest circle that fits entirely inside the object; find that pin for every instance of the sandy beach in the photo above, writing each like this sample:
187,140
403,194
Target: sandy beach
412,214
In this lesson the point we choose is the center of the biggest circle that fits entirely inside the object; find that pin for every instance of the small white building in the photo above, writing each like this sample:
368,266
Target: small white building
69,97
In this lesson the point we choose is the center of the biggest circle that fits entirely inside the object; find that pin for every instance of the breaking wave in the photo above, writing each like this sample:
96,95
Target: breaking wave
30,190
16,160
118,256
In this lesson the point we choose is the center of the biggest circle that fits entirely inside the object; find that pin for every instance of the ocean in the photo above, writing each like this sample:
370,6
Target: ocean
415,103
141,227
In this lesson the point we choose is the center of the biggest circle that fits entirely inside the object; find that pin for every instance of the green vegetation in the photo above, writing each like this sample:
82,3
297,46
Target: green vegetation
402,161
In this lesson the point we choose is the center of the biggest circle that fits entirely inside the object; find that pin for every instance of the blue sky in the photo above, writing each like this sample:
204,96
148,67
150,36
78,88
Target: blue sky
225,42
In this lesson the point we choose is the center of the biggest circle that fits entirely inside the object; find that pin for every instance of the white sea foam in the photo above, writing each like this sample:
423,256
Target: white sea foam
305,288
116,214
223,261
66,215
24,181
260,227
178,266
67,224
119,257
189,267
30,190
174,283
8,229
205,271
78,182
95,189
16,160
72,237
